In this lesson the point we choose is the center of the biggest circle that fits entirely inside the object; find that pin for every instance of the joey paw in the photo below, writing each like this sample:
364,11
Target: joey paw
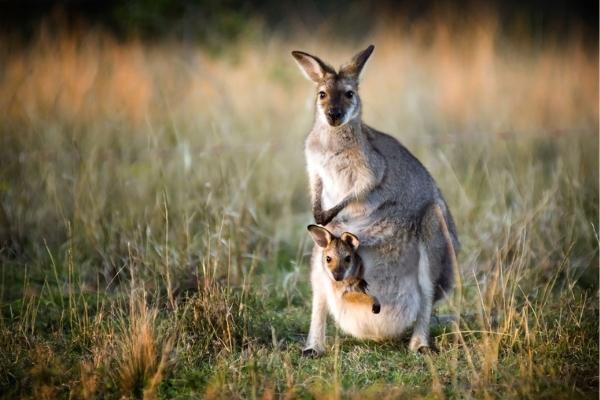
376,308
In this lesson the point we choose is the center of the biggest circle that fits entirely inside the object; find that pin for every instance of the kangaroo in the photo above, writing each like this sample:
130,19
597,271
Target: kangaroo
366,182
344,267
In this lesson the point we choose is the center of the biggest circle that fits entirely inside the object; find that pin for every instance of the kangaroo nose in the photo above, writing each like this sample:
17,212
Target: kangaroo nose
334,114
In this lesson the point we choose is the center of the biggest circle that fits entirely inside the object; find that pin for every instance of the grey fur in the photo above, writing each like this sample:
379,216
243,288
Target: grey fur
365,182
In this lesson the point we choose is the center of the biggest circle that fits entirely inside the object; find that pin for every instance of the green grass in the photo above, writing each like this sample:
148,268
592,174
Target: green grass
154,246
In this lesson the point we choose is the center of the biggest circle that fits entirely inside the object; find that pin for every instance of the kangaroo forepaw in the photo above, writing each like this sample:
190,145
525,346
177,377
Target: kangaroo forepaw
376,308
323,218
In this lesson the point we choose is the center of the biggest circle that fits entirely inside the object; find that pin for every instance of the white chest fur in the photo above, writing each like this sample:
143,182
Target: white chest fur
347,172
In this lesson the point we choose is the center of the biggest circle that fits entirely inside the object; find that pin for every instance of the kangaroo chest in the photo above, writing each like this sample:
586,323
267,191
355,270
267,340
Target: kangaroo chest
343,174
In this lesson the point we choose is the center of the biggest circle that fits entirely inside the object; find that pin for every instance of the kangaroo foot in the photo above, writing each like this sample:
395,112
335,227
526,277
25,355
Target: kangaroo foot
418,344
311,353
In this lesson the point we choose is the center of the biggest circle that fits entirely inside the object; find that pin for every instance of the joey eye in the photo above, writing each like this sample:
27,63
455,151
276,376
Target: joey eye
348,259
322,94
328,259
349,94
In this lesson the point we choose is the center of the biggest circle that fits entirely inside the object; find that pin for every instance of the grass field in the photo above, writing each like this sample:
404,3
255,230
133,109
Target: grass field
153,204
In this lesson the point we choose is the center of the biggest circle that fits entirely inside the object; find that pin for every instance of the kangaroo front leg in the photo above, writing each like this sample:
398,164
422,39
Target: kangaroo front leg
315,344
357,195
316,187
325,217
420,337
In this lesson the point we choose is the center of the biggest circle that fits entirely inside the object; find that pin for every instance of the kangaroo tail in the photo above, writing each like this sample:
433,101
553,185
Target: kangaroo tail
445,283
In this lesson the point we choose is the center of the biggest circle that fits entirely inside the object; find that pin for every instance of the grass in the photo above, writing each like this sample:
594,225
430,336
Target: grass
153,202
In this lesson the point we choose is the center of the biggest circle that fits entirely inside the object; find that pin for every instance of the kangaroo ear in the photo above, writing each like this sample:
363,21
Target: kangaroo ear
320,235
351,239
354,67
312,67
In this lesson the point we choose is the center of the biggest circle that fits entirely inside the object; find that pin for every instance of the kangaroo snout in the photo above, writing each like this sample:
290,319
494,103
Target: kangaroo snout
334,116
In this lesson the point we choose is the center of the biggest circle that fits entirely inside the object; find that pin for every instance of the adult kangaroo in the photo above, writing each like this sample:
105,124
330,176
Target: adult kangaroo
366,182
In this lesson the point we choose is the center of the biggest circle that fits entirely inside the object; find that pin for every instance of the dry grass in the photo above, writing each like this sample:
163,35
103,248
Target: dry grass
470,78
140,364
153,199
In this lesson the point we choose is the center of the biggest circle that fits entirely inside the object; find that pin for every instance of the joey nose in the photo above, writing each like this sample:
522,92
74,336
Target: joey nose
338,275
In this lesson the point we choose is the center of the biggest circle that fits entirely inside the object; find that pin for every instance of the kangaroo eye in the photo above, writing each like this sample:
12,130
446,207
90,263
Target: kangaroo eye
348,259
328,259
322,94
349,94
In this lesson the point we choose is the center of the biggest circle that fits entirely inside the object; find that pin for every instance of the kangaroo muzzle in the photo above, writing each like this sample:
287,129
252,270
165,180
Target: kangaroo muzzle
334,116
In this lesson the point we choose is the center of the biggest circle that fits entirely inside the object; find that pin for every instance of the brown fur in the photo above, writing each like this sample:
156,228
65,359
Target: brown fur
341,259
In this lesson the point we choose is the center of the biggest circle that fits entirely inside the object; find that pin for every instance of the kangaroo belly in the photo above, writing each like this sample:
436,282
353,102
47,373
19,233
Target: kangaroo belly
397,314
394,281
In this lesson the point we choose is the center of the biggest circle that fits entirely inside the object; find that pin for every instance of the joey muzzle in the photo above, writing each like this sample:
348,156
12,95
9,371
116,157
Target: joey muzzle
338,274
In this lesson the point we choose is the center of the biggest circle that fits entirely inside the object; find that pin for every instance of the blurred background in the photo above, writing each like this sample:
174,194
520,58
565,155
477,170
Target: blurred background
500,66
159,143
106,104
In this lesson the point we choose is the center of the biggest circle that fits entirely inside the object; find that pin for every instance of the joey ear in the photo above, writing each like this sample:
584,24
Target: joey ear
351,239
354,67
312,67
320,235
